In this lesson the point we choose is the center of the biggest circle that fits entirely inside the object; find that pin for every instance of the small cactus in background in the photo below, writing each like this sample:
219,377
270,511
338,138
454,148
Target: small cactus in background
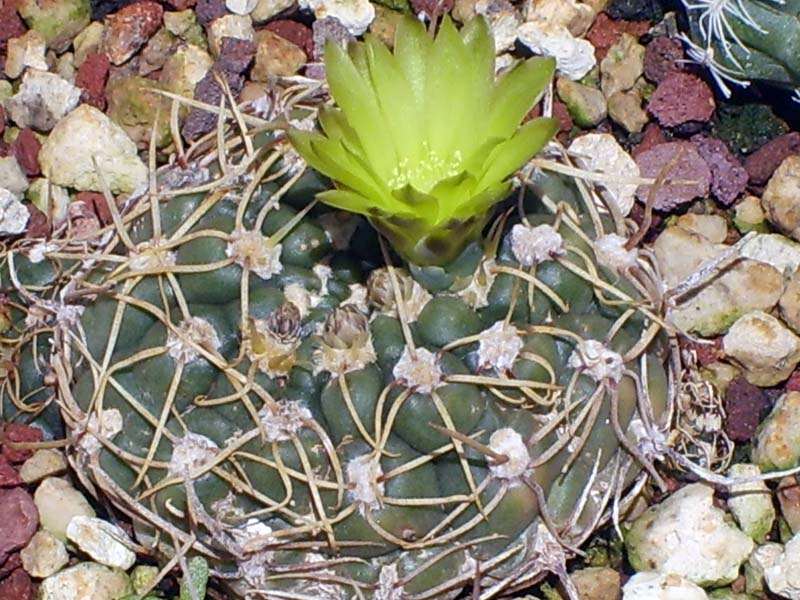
741,41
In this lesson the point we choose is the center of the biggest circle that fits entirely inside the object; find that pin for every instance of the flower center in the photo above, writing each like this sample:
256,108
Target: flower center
426,171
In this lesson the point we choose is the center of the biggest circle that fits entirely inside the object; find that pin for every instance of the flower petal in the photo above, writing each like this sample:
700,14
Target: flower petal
516,151
516,93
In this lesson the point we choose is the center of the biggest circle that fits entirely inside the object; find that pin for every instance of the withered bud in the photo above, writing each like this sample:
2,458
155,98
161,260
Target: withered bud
284,323
345,327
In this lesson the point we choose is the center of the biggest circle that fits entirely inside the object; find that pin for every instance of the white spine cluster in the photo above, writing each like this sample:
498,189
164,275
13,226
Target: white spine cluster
193,332
419,370
510,444
251,250
150,256
611,253
534,245
283,423
363,473
499,346
190,453
597,361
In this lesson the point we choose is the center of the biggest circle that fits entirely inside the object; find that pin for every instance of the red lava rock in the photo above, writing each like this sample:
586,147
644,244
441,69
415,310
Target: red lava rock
96,201
690,167
728,176
18,520
295,32
91,78
11,25
762,163
560,112
208,10
605,32
661,58
681,98
235,56
198,121
129,28
13,562
38,224
793,383
328,28
8,475
26,149
18,586
431,7
83,219
652,136
706,353
2,120
20,433
744,405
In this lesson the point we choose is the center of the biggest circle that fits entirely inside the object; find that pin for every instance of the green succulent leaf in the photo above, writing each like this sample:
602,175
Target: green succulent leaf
424,138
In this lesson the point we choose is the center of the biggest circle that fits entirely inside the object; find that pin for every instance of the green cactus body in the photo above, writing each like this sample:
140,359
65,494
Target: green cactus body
233,380
746,40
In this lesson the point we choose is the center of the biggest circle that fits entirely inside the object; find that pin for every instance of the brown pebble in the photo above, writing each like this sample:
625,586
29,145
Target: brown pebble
744,405
295,32
728,176
17,585
235,56
605,32
38,224
761,164
19,433
97,202
431,7
180,4
18,520
11,25
13,562
91,78
128,29
26,150
681,98
689,167
662,58
208,10
652,136
8,474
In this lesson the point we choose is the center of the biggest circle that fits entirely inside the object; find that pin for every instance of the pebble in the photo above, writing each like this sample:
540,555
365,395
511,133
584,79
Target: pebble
728,176
229,26
8,474
184,69
11,564
44,463
105,542
605,32
19,433
91,78
57,21
681,98
781,198
773,249
749,215
58,502
762,163
504,20
18,520
577,17
600,152
45,555
652,136
66,155
783,574
429,7
597,583
209,10
788,494
622,65
184,24
777,444
766,350
267,9
12,177
751,503
326,29
687,535
275,57
25,51
26,148
660,586
17,585
745,404
690,167
574,56
586,105
241,7
235,56
625,109
180,4
42,100
86,581
157,51
295,32
128,29
662,58
50,200
789,304
88,41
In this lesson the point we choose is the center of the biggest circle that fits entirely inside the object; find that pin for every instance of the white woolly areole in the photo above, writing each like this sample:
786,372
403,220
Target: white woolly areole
282,424
362,478
38,252
253,535
534,245
476,294
357,298
149,256
597,361
389,587
301,298
194,331
611,253
323,273
499,347
250,249
509,443
419,370
106,425
190,453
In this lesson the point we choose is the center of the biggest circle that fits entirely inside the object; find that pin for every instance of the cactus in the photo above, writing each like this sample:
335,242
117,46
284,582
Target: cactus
316,422
746,40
